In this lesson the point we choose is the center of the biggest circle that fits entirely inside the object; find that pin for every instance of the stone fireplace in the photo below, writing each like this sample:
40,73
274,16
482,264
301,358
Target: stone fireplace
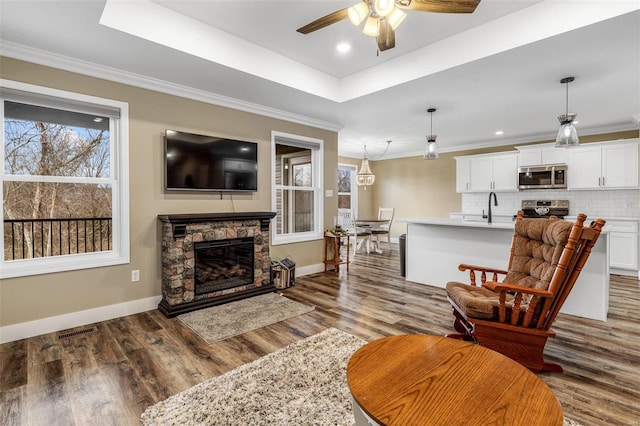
213,258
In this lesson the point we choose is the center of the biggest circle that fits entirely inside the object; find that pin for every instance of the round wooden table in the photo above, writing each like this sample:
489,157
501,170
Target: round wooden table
430,380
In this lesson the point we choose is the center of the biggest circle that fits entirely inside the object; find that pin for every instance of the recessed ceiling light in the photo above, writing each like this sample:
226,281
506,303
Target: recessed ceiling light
343,47
499,132
98,119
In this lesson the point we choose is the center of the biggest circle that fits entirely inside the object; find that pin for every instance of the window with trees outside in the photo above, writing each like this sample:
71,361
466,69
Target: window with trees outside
64,181
297,188
347,194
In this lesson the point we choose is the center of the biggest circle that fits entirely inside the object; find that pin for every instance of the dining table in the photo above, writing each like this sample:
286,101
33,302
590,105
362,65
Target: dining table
372,225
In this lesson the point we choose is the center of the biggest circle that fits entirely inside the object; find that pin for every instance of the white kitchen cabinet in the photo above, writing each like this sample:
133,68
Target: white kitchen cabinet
505,173
530,157
541,154
554,156
612,165
463,174
623,244
481,169
497,172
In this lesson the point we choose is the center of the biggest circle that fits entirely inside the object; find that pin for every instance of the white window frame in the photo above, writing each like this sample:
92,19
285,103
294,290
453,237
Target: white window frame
317,185
354,186
118,179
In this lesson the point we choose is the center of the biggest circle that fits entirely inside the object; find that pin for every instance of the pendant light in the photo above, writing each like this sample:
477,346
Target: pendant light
567,134
431,153
365,175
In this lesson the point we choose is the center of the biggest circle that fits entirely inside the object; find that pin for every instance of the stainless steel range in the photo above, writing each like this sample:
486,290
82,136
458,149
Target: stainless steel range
545,208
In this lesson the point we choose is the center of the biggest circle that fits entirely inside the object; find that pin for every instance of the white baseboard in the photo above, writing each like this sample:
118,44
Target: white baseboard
24,330
309,269
28,329
625,272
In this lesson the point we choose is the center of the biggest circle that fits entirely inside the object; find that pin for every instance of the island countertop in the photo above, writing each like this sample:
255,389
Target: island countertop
436,246
457,222
441,221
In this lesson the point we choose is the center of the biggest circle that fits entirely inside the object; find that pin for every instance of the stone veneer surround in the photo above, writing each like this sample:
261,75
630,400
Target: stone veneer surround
180,232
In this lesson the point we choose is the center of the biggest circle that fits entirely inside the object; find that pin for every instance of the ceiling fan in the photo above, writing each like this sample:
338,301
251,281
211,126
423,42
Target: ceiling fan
382,17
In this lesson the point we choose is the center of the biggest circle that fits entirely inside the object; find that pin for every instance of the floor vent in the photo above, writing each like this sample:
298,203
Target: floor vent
76,333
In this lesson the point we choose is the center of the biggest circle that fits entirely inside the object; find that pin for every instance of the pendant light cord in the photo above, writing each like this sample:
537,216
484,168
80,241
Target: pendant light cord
567,100
431,113
366,155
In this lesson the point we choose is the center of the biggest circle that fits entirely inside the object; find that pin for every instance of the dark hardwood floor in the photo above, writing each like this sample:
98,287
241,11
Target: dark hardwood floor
108,373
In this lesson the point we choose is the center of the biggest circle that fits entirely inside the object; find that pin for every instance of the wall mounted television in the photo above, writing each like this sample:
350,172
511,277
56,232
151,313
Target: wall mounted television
209,163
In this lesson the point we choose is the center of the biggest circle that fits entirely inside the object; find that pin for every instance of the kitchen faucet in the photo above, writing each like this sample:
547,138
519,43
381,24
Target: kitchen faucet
495,200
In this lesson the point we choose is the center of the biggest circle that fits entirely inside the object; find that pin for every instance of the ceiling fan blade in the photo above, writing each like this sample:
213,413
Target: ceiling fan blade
325,21
386,36
439,6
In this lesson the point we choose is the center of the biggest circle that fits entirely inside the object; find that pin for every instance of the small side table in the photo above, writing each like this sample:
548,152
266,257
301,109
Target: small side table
430,380
332,251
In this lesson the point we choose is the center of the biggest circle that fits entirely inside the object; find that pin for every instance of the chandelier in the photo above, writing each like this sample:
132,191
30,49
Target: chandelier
365,176
372,12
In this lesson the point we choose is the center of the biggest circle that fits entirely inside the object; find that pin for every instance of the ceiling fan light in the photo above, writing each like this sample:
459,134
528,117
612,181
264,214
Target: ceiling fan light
395,18
383,7
371,26
431,153
358,12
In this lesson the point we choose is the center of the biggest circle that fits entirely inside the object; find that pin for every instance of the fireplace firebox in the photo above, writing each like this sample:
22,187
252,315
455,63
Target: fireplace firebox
213,258
223,264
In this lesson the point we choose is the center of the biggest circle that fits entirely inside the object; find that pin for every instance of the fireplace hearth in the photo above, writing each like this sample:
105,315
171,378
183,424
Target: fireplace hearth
214,258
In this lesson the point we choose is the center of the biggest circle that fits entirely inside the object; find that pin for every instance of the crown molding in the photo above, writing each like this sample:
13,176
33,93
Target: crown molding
493,143
66,63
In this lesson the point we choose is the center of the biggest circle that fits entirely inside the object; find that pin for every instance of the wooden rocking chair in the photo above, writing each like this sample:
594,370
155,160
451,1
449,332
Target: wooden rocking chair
514,317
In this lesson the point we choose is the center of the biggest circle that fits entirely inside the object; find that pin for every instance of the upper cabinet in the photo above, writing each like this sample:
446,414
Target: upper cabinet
463,174
487,172
610,165
541,154
598,165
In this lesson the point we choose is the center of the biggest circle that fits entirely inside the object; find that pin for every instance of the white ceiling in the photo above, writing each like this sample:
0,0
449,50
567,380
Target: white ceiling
496,69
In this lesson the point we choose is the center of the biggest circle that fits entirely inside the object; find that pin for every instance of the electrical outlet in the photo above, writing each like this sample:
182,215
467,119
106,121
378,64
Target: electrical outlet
135,275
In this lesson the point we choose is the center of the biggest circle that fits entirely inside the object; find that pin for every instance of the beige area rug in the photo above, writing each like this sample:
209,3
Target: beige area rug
304,383
231,319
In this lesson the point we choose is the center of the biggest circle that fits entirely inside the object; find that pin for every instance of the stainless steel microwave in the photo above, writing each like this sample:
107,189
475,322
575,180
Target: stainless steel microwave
543,177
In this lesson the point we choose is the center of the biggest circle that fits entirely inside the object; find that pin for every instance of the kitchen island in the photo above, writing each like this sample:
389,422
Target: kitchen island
436,246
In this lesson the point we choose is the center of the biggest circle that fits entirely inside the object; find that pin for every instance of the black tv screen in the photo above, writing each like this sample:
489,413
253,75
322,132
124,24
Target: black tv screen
209,163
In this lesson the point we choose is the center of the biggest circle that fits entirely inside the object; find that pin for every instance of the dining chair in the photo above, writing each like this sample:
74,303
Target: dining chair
384,213
345,213
357,235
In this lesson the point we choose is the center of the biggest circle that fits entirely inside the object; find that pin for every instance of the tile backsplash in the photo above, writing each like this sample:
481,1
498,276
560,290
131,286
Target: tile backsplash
606,204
